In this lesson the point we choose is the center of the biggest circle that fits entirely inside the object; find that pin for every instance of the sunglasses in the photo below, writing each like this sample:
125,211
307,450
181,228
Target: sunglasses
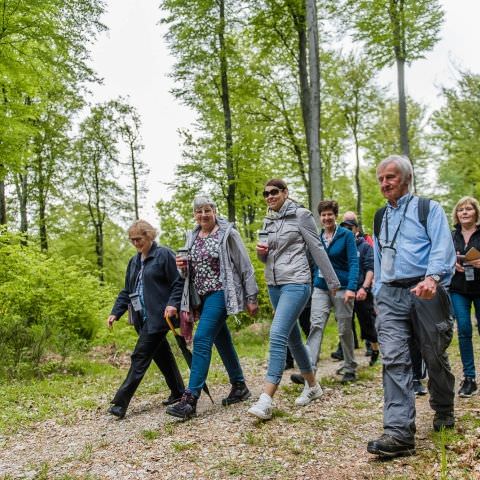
272,192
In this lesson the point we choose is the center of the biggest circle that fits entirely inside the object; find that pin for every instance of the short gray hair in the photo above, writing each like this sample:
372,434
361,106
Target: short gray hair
203,199
403,164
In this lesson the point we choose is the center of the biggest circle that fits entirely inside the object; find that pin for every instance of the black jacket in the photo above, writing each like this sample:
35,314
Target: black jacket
162,286
459,284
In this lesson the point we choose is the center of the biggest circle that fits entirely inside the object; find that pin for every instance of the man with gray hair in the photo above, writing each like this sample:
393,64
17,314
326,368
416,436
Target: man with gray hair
414,264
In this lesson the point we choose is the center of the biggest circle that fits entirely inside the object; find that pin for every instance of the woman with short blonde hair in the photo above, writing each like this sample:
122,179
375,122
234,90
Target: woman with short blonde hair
465,286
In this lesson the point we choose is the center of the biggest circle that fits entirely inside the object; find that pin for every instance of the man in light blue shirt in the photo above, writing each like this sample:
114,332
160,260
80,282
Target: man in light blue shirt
413,266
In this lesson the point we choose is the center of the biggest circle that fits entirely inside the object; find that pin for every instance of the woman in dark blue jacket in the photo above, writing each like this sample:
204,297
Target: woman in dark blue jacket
153,289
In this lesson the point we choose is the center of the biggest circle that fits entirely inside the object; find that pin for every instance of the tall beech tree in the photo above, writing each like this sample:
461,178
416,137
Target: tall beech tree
94,172
396,32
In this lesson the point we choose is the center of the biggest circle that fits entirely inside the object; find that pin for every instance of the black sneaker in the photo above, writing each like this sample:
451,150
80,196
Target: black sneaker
348,377
374,357
238,393
186,408
443,421
173,398
387,446
419,388
468,388
297,378
118,411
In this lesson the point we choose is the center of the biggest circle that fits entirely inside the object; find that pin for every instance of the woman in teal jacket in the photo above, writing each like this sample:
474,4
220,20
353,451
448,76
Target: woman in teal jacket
339,243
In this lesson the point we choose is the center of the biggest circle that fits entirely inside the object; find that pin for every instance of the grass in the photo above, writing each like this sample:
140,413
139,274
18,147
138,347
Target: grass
150,434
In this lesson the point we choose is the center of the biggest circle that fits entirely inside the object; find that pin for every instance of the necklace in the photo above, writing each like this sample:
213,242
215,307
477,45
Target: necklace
203,234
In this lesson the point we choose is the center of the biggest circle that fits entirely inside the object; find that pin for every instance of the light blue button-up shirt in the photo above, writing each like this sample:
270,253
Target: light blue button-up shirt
419,253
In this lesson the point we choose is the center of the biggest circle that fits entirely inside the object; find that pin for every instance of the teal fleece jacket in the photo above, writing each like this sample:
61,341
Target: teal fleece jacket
343,255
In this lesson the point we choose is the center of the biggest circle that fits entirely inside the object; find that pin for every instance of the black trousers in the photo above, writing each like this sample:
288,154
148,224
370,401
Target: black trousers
366,318
150,346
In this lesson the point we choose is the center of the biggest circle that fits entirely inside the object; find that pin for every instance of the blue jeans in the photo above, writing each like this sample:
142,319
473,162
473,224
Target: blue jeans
288,302
462,305
212,329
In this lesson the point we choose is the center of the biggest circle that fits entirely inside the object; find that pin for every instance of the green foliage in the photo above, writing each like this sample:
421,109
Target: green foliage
47,304
394,30
457,130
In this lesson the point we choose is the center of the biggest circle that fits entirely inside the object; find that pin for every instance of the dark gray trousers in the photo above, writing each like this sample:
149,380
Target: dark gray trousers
404,318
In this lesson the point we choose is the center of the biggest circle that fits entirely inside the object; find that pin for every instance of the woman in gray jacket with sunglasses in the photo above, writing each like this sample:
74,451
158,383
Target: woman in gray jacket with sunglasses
291,232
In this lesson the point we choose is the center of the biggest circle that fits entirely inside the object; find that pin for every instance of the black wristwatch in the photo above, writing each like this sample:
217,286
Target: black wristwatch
367,289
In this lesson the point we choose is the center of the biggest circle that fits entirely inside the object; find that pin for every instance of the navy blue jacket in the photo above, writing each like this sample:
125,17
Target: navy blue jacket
162,286
342,253
365,254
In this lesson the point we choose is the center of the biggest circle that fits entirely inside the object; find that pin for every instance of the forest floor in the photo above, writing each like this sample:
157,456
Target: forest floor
326,439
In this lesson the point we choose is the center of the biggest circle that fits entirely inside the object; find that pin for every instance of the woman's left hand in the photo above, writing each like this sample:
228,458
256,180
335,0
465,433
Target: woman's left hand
252,309
170,311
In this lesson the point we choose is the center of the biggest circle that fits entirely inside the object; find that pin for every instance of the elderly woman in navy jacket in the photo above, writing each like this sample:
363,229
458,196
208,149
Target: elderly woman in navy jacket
153,289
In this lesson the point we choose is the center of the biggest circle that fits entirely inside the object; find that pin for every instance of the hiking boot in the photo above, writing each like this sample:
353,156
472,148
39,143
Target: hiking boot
309,394
337,354
340,371
297,378
374,357
419,388
173,398
118,411
443,421
263,409
348,377
186,408
468,388
238,393
387,446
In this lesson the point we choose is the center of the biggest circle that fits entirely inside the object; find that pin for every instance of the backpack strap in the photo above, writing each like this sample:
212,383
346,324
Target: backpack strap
423,211
377,221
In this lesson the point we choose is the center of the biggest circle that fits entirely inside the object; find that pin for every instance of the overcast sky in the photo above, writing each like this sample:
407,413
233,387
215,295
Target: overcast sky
133,60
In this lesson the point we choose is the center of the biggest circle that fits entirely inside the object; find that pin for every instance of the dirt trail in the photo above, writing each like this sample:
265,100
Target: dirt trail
326,439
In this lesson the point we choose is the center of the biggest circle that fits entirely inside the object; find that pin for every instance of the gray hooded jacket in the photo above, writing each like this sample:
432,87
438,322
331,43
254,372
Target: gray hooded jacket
291,231
236,270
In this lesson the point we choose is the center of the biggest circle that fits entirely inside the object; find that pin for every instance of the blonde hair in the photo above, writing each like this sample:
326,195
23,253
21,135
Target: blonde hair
466,200
143,228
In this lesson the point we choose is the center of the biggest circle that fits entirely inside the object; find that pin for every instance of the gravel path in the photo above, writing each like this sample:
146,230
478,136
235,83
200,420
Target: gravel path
326,439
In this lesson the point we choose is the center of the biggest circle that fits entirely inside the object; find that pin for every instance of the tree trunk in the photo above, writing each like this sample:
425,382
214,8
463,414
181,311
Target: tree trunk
42,220
99,250
227,115
3,202
300,26
358,185
21,187
135,180
315,167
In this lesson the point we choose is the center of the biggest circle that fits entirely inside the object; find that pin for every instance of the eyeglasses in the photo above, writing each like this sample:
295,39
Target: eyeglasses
135,239
204,211
272,192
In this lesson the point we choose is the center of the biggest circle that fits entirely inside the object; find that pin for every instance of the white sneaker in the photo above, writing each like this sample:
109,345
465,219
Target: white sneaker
309,394
263,408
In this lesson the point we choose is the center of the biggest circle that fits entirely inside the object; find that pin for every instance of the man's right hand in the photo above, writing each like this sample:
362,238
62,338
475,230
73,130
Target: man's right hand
110,320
